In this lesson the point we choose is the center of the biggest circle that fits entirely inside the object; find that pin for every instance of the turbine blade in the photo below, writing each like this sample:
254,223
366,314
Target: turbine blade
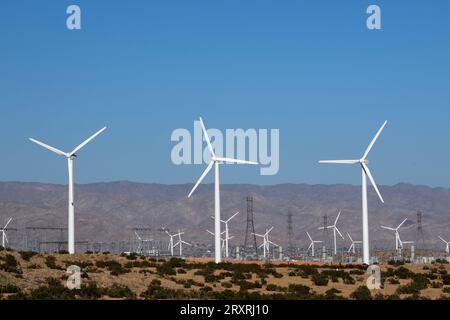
339,161
400,225
6,238
373,141
7,223
337,218
46,146
205,134
87,141
442,239
231,218
211,233
367,171
388,228
204,174
268,231
309,236
231,160
348,234
340,233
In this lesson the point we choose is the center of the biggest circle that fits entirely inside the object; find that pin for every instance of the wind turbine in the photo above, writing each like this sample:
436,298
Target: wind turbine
171,243
3,230
141,246
222,240
335,230
365,172
215,161
447,244
312,245
398,241
266,242
353,245
181,242
70,156
227,235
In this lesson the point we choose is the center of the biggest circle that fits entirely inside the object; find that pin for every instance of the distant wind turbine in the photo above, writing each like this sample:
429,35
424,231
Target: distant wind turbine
447,244
398,242
353,245
365,172
3,230
70,156
312,245
335,230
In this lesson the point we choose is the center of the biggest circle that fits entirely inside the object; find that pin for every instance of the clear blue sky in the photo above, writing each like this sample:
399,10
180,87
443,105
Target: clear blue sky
144,68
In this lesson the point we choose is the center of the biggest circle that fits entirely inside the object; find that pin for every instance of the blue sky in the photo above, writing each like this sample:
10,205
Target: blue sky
144,68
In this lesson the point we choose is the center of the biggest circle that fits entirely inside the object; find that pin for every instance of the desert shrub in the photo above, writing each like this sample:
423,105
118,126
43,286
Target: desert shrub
113,266
166,269
446,290
419,282
181,271
9,288
131,256
81,264
361,293
332,294
396,263
10,264
50,261
442,261
393,281
446,279
90,291
120,291
320,279
54,290
436,285
299,289
27,255
273,287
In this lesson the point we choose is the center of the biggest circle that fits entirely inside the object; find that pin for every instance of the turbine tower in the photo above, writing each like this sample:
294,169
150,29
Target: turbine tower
3,230
398,241
447,244
312,245
215,161
353,245
227,232
365,172
70,156
335,230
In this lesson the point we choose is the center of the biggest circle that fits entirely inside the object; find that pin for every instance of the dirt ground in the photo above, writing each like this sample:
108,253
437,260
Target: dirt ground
35,272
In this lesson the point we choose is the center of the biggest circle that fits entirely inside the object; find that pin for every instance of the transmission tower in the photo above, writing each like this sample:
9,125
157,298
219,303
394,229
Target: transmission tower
250,238
290,249
420,240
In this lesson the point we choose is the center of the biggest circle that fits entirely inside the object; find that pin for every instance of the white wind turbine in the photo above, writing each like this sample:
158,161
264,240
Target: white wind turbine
3,230
447,244
215,161
365,172
181,242
312,245
398,241
70,156
335,230
227,233
222,240
266,242
353,245
141,246
171,242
